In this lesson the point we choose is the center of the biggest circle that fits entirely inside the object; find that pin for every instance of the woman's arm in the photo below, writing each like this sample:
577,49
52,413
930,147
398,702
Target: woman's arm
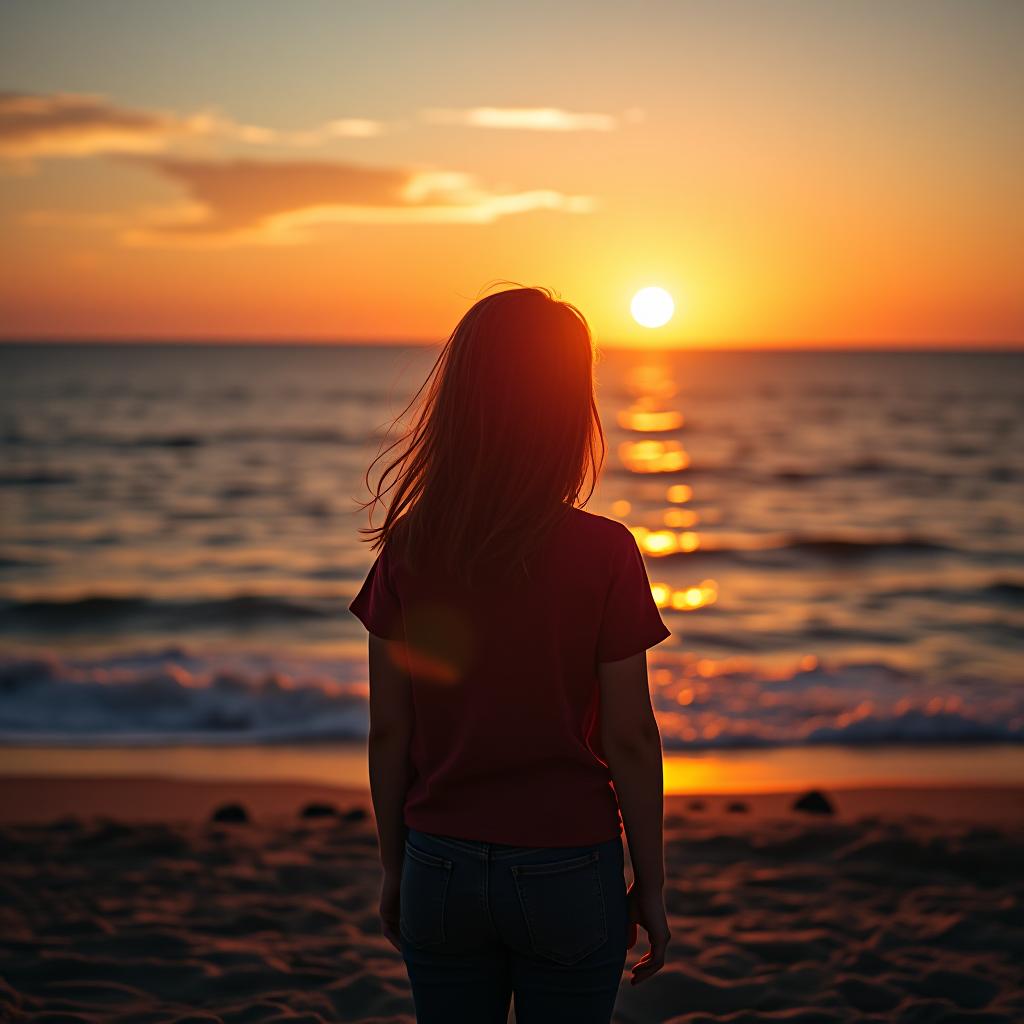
391,721
632,746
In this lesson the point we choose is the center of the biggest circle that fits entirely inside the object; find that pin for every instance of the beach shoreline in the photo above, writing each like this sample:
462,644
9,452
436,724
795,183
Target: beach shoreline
125,901
38,799
345,764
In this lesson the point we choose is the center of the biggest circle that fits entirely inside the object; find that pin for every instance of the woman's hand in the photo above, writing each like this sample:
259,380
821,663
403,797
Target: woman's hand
647,911
390,905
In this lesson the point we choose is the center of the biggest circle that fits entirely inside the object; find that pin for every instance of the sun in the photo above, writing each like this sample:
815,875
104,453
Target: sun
652,307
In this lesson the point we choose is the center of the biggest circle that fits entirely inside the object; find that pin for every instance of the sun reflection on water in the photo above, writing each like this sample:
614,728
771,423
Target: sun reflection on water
664,542
668,530
653,456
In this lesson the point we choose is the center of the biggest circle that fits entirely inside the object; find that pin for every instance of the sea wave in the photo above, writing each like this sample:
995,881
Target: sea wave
174,696
831,546
181,439
901,473
97,611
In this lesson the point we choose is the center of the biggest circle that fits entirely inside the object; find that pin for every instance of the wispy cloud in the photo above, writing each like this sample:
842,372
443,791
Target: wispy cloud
538,119
38,125
341,128
75,125
256,201
33,126
262,202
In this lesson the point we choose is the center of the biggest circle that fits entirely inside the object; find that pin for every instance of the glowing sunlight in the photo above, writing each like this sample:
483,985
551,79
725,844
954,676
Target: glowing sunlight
652,307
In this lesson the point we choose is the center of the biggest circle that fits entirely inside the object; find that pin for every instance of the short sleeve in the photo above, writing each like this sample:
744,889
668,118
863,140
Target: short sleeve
631,621
377,605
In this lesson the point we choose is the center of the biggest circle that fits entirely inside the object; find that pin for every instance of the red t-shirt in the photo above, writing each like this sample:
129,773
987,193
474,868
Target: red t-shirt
506,741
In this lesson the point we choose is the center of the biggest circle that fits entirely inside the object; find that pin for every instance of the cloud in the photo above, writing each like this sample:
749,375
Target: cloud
341,128
263,202
82,125
257,201
75,125
539,119
69,125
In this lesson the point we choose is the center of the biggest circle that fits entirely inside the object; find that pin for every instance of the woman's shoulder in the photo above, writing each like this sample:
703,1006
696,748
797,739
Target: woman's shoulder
598,528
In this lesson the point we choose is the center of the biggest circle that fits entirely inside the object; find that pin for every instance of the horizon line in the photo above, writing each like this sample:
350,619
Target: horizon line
822,345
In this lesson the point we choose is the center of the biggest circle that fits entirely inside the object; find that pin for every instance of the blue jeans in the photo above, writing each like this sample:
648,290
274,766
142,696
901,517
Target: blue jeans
481,921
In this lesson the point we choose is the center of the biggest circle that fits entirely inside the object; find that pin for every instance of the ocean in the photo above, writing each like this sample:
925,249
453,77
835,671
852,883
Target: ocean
835,539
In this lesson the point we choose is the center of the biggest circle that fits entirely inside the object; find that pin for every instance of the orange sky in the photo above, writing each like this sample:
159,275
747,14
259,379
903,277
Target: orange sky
793,173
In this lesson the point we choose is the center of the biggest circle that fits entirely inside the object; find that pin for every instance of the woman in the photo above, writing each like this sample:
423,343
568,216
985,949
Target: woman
511,728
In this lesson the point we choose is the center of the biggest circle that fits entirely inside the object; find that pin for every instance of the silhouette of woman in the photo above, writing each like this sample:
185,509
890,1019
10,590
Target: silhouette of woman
512,738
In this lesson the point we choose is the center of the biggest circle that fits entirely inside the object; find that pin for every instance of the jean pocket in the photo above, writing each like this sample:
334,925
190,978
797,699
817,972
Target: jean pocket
423,896
563,903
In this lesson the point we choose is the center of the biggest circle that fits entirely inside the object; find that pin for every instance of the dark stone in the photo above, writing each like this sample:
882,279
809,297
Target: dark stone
814,802
737,807
355,814
232,813
696,805
317,810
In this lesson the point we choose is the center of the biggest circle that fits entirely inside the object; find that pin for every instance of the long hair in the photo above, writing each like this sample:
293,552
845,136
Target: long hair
502,442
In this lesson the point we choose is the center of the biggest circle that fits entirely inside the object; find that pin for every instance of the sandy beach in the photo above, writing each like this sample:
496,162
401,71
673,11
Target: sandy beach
124,901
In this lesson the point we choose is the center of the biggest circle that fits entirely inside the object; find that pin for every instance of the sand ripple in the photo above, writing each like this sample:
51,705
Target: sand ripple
773,920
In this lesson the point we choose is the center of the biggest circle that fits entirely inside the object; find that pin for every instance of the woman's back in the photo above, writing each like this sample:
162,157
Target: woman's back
506,742
512,739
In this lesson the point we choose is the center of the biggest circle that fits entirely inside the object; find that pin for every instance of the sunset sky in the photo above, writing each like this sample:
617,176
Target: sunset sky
792,173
